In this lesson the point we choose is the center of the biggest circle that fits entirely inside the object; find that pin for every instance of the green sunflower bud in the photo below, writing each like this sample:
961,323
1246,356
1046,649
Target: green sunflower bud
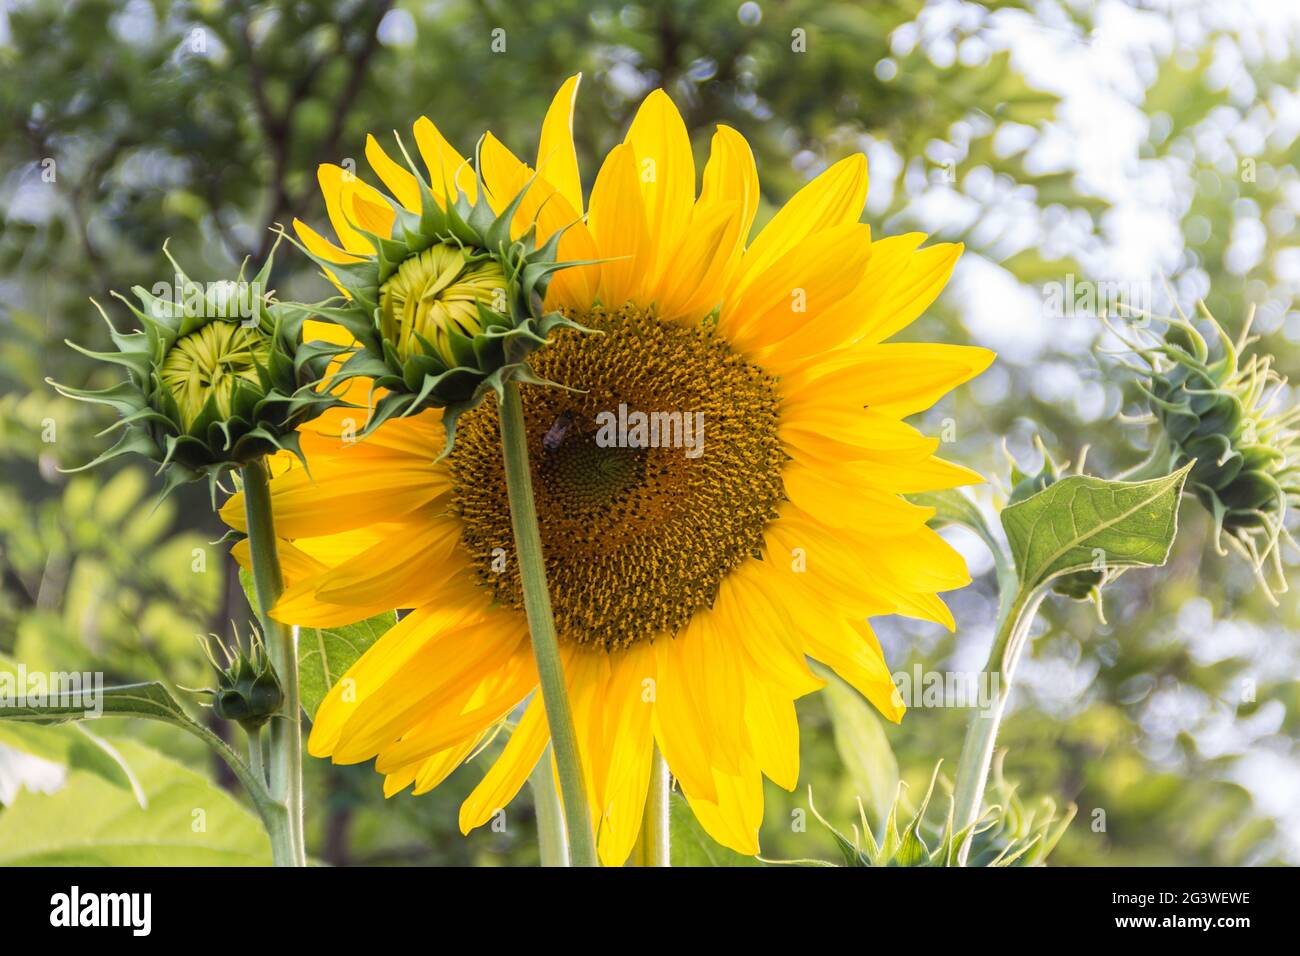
1219,409
248,691
447,307
218,376
1080,585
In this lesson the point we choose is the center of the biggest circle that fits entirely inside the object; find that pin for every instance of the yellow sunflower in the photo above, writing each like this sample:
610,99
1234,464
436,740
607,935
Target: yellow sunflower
690,584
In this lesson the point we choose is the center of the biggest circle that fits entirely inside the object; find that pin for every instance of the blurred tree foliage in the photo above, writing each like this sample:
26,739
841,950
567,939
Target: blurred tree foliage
129,122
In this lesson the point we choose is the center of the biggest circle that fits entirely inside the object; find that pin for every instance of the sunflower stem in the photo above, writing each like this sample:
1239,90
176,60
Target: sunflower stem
1157,464
256,760
541,624
550,816
652,845
1015,618
287,843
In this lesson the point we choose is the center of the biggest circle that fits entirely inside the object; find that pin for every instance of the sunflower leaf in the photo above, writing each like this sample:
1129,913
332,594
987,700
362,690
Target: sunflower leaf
691,846
952,506
71,747
1082,523
862,746
91,821
325,653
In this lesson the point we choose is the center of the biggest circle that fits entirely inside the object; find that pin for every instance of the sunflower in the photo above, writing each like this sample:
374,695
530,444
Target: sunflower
691,582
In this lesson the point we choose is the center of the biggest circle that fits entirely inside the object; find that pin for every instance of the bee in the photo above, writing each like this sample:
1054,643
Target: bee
558,431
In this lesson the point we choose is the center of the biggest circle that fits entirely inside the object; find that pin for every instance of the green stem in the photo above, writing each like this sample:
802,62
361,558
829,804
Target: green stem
256,762
546,648
272,812
550,816
1014,621
652,843
1157,464
284,849
281,640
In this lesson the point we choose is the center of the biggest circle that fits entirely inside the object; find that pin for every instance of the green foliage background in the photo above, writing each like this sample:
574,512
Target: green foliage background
1173,726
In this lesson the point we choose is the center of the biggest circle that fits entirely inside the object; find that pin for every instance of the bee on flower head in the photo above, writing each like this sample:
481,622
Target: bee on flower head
556,434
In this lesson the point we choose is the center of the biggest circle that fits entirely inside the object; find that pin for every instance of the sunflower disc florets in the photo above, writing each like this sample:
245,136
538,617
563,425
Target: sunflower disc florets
448,306
217,376
1220,409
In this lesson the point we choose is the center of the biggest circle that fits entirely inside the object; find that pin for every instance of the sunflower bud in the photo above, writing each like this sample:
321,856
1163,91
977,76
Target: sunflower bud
248,690
1218,408
447,306
218,376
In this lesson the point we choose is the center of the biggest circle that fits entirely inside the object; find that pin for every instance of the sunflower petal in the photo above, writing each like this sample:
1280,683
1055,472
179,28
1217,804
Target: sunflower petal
504,779
835,198
617,221
399,180
665,173
556,157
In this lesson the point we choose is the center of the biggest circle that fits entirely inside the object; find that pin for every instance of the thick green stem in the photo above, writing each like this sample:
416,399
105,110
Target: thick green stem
281,641
550,816
1014,621
546,648
256,762
652,844
284,850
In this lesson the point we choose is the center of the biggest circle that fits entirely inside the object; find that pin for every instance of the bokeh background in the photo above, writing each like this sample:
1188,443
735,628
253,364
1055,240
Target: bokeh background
1108,142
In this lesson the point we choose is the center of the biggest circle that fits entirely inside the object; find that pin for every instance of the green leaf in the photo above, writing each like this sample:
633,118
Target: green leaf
1030,267
1080,523
954,507
950,507
91,822
73,746
1185,92
45,703
862,745
325,653
691,846
149,701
